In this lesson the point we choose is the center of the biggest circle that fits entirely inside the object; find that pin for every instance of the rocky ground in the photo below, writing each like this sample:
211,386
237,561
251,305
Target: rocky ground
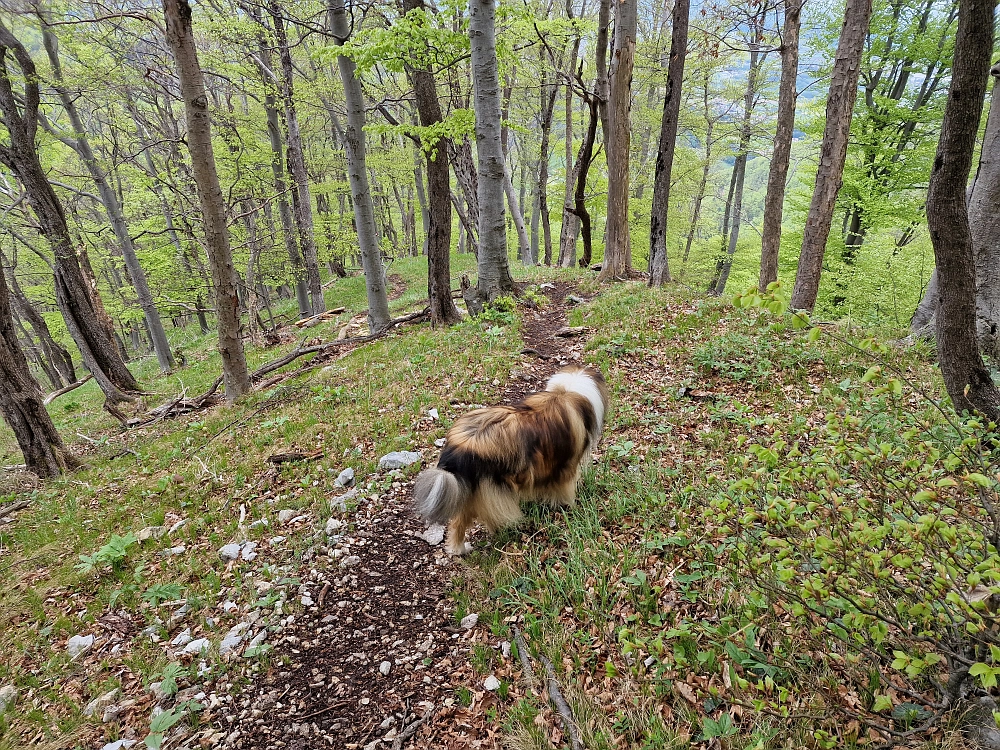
359,645
377,656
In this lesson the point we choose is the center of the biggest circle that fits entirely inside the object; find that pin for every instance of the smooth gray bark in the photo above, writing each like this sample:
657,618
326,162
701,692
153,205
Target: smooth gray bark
357,172
180,38
494,271
984,219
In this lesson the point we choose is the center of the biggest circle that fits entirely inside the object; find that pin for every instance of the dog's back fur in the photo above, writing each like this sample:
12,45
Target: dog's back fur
497,457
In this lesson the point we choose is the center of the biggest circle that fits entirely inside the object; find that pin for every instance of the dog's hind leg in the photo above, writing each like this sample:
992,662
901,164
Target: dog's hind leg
455,543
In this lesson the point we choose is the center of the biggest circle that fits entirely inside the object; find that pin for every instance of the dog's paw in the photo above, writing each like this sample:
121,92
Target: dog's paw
461,550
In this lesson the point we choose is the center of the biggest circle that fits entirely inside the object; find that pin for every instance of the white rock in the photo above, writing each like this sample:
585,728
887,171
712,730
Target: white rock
307,600
286,515
276,540
180,549
333,525
247,551
156,689
491,683
151,532
384,667
259,524
119,745
229,606
440,442
434,535
398,460
233,638
350,561
258,639
177,526
197,646
8,696
183,638
79,644
345,478
230,551
432,413
101,702
469,621
340,503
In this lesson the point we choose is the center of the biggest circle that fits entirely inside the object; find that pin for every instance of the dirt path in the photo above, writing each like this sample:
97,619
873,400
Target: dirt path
376,657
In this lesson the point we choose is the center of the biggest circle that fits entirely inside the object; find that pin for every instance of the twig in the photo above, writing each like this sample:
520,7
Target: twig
525,657
14,507
71,387
409,731
559,703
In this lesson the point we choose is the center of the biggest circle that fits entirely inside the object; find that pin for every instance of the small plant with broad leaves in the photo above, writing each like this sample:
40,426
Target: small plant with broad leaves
164,722
162,592
112,554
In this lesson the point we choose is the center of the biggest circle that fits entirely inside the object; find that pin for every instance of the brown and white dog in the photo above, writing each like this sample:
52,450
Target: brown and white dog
498,457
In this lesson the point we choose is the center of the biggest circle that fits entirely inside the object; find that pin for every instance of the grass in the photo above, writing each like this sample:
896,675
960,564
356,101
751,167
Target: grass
641,595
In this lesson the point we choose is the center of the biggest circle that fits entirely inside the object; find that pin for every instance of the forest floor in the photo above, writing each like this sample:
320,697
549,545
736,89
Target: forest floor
341,622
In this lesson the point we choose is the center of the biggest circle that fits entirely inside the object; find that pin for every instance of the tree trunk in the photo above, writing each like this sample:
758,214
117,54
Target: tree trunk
437,216
602,86
465,171
354,148
965,376
774,200
705,170
280,184
570,228
494,272
94,338
984,218
425,216
618,248
180,38
833,152
21,402
532,257
109,199
659,269
302,206
548,94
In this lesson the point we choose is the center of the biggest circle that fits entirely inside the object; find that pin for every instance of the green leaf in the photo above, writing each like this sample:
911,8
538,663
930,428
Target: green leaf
882,703
871,373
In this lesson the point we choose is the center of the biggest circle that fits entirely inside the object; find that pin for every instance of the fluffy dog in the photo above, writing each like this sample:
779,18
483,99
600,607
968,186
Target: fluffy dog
498,457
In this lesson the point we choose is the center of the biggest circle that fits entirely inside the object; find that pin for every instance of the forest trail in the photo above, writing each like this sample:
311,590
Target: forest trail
378,655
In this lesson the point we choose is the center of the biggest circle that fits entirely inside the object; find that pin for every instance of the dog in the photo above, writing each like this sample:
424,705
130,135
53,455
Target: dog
498,457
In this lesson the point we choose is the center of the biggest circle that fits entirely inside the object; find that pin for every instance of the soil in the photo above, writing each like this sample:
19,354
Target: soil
379,660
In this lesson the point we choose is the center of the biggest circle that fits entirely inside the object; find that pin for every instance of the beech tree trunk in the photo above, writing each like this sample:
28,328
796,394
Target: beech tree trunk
984,218
81,144
833,152
180,38
774,200
437,218
280,183
357,170
93,336
547,95
602,86
494,271
965,376
465,171
52,350
302,205
659,269
569,231
618,248
21,403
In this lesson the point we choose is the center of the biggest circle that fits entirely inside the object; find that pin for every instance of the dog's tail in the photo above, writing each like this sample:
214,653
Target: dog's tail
439,495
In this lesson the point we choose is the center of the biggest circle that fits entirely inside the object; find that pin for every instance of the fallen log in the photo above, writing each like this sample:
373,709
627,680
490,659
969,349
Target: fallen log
285,458
183,405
